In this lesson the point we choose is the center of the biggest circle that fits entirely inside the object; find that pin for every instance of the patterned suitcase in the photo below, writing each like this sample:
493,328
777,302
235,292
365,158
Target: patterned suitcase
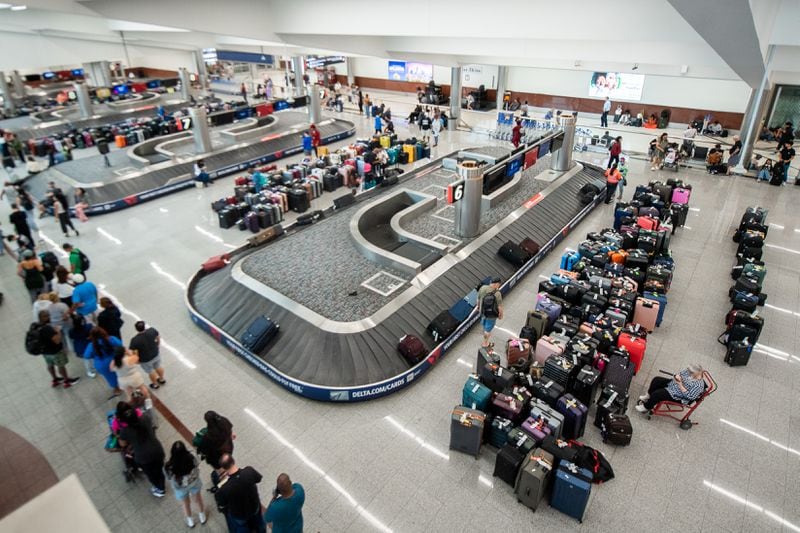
572,490
575,414
466,430
618,372
534,477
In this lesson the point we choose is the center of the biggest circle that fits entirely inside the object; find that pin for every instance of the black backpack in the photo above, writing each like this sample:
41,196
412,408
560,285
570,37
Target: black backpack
33,339
85,263
489,306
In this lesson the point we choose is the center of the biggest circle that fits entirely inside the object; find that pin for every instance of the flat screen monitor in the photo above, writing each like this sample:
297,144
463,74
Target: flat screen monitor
494,179
513,166
77,72
531,156
154,84
33,77
121,89
48,75
544,148
557,143
171,82
616,85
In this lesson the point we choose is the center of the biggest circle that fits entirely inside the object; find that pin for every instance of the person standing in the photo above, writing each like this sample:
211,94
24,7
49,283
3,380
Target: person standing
84,298
62,215
28,204
30,270
516,133
285,511
52,346
613,177
129,373
315,139
425,126
147,450
19,220
10,193
360,102
243,91
101,350
146,344
62,285
378,124
490,301
367,105
614,151
623,170
110,318
617,114
184,476
604,116
436,128
237,496
787,154
78,262
214,440
268,89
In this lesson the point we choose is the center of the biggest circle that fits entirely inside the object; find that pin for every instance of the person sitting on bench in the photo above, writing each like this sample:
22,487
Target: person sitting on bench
685,387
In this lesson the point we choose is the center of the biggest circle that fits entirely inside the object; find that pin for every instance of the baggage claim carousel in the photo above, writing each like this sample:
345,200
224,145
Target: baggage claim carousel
321,357
133,178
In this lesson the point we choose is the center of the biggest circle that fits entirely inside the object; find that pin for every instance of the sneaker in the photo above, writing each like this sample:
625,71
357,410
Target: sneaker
652,168
202,517
77,233
91,374
70,382
189,521
644,397
56,382
641,408
158,493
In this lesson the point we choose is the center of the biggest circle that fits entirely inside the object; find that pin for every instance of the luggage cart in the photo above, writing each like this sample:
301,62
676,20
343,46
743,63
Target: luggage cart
674,409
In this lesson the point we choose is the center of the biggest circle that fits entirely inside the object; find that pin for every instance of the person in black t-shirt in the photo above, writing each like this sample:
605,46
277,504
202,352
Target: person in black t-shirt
237,497
146,343
138,432
53,352
19,220
787,154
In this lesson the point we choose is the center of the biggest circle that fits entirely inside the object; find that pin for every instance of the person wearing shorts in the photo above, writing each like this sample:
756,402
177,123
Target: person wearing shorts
489,316
53,351
182,471
146,343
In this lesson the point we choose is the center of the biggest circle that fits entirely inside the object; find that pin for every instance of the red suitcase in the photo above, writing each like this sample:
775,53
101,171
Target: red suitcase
636,347
241,180
646,313
216,262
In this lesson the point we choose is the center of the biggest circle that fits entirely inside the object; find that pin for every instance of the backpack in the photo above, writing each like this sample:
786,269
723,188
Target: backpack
489,305
33,339
84,261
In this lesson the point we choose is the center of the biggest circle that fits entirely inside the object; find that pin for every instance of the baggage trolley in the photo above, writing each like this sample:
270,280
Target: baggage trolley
681,411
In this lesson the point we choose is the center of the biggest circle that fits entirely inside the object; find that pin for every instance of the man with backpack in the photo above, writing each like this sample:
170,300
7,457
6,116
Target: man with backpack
491,306
46,340
78,262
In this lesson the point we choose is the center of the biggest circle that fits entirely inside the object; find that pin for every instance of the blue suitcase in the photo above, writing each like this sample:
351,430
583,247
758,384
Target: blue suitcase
572,490
569,259
662,300
476,395
258,335
462,309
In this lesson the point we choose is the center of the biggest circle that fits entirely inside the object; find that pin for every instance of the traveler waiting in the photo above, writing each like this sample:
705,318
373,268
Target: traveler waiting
30,270
28,204
360,102
84,298
307,143
378,124
62,285
714,163
604,115
101,351
146,344
617,114
685,387
524,108
315,139
490,301
137,431
52,346
184,476
42,303
237,497
243,92
516,133
425,126
285,511
62,215
81,204
765,172
613,177
660,151
78,262
215,440
787,154
734,153
623,170
19,220
436,128
130,377
614,150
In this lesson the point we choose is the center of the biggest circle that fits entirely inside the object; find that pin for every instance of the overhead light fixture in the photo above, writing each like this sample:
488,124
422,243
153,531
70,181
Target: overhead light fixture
19,8
635,66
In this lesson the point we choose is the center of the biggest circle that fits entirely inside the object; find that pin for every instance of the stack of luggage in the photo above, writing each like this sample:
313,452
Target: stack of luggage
669,202
743,324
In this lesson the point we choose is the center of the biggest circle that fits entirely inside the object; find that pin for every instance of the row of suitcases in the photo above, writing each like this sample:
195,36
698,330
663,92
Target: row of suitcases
743,324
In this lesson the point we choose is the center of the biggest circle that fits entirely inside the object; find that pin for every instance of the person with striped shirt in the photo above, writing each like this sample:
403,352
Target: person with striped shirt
684,387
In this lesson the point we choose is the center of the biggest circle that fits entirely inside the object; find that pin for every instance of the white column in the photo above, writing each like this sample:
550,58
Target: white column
183,75
351,75
19,85
502,74
468,209
314,106
298,65
561,161
455,98
202,139
752,118
8,100
84,100
202,73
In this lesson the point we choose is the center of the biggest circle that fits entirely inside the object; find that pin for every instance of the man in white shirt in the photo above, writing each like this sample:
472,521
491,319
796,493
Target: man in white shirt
689,133
604,116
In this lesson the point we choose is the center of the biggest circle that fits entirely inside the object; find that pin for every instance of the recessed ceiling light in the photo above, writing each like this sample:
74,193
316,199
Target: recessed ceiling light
19,8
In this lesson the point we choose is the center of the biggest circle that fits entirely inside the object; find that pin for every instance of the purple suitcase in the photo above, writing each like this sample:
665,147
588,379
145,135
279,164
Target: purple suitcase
506,407
536,428
552,309
574,416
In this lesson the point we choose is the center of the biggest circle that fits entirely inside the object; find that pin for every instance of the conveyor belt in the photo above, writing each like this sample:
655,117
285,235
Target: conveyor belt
318,359
117,191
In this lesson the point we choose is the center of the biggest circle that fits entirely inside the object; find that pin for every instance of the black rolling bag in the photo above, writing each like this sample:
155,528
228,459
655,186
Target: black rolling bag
513,253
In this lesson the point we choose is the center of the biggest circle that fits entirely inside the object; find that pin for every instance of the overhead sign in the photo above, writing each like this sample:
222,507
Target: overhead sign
319,62
477,75
244,57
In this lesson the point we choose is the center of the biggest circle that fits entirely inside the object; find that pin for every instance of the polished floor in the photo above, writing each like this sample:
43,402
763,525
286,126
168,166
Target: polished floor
385,465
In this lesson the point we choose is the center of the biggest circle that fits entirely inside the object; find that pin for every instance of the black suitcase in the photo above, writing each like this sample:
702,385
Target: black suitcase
442,326
298,200
227,218
496,377
619,372
513,253
738,353
548,391
330,182
258,334
585,384
344,201
558,369
616,429
611,400
508,462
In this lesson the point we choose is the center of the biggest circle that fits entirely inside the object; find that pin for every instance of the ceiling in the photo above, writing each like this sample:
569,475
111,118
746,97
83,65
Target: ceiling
663,37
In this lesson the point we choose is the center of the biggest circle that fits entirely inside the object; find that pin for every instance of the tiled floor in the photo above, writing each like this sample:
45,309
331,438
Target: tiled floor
384,465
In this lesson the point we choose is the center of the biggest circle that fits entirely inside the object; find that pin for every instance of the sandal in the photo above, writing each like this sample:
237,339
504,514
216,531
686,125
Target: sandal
162,381
154,386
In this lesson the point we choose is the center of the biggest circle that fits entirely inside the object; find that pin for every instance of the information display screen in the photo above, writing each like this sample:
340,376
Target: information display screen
48,75
513,166
544,148
557,143
121,89
616,85
494,179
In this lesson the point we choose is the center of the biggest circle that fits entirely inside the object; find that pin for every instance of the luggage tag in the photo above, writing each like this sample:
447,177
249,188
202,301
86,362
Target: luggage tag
548,384
611,399
530,380
521,440
475,389
465,420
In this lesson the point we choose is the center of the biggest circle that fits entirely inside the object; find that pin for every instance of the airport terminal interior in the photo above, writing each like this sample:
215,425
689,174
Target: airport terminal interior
431,267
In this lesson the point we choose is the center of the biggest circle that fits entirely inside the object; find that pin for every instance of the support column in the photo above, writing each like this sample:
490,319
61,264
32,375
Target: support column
468,209
561,160
351,76
19,85
298,65
104,68
455,98
502,74
202,73
202,139
752,118
8,100
314,106
183,75
84,100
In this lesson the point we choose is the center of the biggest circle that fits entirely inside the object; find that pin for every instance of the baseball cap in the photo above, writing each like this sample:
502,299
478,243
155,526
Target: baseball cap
78,278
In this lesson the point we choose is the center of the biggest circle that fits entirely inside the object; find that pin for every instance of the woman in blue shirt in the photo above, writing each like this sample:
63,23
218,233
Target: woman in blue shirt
378,125
285,511
685,387
101,349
